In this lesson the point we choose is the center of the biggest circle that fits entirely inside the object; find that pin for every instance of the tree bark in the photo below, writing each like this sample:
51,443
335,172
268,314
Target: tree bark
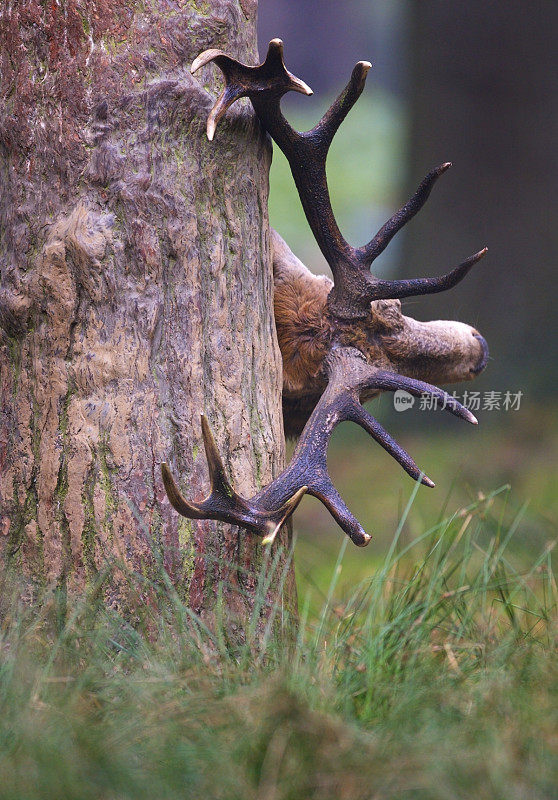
136,294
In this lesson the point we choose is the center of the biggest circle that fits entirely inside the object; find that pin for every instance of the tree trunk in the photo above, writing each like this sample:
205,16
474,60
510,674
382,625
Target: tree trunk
136,294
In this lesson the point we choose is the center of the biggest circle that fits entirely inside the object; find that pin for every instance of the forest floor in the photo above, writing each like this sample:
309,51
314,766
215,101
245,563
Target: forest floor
423,666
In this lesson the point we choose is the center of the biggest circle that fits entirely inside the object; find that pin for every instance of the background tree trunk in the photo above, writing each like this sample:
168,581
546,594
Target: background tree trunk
484,96
136,294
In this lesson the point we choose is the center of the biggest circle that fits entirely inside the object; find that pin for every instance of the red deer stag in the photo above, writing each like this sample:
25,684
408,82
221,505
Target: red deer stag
342,342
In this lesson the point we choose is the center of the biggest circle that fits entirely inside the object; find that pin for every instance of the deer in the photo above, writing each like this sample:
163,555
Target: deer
343,341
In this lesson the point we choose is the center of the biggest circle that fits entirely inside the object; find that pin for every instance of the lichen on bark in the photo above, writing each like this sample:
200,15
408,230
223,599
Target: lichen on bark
136,293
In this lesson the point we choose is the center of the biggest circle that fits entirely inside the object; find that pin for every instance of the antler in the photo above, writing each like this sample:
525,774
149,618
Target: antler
351,381
354,286
223,503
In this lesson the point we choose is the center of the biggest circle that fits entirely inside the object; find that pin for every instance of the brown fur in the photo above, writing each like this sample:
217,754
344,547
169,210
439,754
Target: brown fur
304,336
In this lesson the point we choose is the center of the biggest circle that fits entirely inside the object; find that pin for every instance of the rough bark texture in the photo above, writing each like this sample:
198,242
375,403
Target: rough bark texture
136,293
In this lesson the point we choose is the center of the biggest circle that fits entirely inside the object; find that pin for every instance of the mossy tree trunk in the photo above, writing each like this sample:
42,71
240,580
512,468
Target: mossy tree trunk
136,294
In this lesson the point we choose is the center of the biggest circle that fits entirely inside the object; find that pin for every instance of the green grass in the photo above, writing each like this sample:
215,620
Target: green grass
433,677
466,463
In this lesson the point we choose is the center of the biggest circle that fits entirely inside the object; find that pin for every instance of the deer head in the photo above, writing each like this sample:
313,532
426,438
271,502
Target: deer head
441,351
343,341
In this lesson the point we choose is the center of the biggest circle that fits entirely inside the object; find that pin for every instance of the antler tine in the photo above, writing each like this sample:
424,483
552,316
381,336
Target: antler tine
328,126
329,496
417,286
370,424
233,90
392,381
221,490
274,66
220,485
378,244
224,504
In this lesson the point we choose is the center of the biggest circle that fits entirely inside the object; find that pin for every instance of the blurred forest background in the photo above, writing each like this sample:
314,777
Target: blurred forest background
473,83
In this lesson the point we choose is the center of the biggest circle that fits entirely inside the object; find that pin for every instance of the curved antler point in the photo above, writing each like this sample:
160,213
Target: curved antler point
300,86
288,508
196,64
204,58
176,499
465,414
270,537
297,497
